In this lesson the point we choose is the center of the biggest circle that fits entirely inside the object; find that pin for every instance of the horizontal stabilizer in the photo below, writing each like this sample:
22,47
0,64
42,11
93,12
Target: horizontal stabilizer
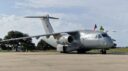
47,16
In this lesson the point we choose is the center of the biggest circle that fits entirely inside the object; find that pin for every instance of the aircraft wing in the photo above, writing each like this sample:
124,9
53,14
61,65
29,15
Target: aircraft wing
56,35
21,38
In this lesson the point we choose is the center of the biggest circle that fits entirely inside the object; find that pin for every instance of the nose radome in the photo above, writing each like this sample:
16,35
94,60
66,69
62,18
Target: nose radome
109,42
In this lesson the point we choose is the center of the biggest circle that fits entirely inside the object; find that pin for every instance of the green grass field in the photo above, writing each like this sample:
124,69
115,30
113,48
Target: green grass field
112,51
125,50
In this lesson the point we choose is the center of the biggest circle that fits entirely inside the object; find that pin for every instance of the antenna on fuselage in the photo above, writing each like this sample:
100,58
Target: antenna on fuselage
46,23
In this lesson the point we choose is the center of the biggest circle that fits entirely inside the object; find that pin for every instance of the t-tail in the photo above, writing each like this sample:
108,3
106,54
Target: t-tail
46,23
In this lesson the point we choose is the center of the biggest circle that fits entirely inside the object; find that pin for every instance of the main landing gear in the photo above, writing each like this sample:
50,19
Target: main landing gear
81,51
103,51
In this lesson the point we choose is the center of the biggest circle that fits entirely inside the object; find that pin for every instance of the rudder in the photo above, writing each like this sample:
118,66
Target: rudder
46,23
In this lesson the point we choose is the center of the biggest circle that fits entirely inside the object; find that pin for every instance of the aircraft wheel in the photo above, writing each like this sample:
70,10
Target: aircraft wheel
64,49
103,51
80,51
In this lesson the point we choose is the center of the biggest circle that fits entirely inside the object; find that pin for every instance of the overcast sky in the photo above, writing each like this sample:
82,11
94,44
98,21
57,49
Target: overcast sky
73,14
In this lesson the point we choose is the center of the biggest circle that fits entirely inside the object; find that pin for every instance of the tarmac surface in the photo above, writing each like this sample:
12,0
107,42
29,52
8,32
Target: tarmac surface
52,61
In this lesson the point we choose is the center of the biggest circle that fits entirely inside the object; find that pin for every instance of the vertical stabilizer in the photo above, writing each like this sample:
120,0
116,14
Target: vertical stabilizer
46,23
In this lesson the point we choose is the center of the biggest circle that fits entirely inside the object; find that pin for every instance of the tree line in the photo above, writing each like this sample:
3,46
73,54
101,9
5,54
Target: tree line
22,44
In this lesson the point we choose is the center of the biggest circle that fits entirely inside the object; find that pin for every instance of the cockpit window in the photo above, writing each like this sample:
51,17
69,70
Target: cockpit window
105,35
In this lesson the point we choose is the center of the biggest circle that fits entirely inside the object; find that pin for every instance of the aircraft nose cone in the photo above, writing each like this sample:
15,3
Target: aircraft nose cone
109,42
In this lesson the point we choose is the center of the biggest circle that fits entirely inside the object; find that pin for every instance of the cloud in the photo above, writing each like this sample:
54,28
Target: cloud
33,26
51,3
13,22
73,14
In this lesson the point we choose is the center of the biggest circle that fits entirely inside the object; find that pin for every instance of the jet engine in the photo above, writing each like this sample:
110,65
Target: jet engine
66,39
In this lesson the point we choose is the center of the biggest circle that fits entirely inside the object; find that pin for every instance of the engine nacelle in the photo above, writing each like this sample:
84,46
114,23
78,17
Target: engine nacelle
65,39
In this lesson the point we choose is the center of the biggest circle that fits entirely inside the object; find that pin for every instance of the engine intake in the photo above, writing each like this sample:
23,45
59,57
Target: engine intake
66,39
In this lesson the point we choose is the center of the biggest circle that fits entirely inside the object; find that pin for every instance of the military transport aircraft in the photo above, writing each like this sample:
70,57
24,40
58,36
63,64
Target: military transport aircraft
80,40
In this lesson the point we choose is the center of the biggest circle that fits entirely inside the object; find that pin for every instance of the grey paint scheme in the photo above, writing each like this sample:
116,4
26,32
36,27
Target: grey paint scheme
87,39
71,40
